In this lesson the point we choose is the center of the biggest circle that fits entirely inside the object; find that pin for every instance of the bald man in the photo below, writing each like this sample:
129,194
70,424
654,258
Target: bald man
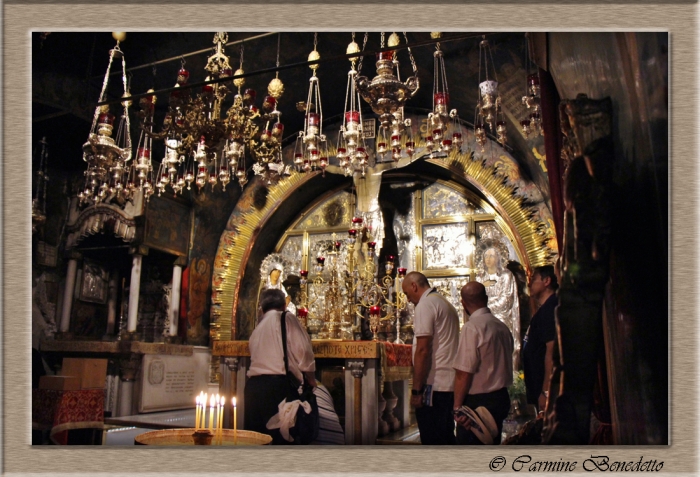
435,340
484,364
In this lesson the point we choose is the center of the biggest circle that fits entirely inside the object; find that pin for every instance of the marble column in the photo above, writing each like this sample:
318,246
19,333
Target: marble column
174,310
229,384
128,371
68,293
112,305
134,290
356,369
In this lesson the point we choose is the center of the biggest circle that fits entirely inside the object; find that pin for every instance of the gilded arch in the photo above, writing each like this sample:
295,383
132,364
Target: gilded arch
534,235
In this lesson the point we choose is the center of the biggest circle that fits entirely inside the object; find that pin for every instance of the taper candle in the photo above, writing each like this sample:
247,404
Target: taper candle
203,412
235,418
196,414
211,412
221,420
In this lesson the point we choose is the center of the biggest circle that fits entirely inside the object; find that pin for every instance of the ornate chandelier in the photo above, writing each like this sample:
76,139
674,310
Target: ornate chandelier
206,143
107,156
488,107
311,148
445,130
387,94
351,149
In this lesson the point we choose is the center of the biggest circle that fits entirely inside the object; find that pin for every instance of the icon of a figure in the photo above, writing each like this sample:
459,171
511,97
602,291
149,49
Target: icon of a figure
502,291
273,272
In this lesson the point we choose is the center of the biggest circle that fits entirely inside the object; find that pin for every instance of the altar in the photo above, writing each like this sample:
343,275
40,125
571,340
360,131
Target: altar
376,382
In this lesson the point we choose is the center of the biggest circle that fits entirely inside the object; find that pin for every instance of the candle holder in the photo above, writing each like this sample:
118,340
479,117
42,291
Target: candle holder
202,437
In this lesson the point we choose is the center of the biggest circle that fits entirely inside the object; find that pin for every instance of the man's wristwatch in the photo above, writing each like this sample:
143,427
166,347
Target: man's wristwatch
416,392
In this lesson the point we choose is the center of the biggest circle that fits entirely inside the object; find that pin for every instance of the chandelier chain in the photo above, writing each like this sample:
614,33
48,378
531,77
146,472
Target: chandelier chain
277,63
104,86
127,146
364,43
410,55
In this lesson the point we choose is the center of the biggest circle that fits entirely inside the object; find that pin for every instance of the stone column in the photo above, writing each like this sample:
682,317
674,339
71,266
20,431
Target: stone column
356,369
68,292
112,306
228,387
134,291
128,371
174,310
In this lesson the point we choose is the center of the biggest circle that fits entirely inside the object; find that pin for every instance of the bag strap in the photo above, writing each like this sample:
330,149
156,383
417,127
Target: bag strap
283,324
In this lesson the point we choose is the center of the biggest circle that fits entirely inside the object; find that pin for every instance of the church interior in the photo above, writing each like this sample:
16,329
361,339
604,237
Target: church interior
176,175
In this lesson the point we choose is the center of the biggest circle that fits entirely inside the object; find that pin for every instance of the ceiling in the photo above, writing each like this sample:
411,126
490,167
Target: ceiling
68,70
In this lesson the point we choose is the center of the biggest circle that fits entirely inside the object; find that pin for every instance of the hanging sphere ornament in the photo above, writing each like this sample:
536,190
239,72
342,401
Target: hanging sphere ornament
393,40
238,82
275,88
128,102
119,35
314,56
352,49
435,35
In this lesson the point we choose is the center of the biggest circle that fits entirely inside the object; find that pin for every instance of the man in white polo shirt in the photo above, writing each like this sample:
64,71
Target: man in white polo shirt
484,364
435,341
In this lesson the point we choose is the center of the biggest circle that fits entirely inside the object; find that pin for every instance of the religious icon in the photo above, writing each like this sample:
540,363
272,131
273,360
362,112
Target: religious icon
501,288
273,272
95,283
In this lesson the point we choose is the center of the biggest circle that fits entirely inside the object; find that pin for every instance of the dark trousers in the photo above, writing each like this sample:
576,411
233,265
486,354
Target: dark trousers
263,395
435,423
498,404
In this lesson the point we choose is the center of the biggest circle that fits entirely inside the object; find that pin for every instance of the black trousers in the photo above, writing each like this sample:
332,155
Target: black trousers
262,397
498,404
435,423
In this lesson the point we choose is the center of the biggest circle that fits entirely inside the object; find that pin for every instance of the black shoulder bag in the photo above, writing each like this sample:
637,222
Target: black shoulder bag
305,429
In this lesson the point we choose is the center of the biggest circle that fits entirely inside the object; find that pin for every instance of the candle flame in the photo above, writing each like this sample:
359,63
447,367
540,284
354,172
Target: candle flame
211,401
234,401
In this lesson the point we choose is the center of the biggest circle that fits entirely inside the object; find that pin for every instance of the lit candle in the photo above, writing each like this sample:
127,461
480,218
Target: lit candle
221,420
211,412
218,412
235,418
203,412
196,414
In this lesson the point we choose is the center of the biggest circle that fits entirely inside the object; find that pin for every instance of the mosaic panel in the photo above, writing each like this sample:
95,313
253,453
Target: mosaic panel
442,201
292,251
445,246
334,212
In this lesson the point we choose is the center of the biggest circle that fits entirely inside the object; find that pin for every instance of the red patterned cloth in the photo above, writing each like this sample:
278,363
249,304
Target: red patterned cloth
64,410
396,362
398,354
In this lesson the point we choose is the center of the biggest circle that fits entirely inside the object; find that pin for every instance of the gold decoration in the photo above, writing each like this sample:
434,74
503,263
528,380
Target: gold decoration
119,35
275,88
532,238
238,82
352,49
435,35
393,40
314,56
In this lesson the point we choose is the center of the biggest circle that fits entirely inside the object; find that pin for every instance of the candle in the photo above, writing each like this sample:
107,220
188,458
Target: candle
196,414
211,413
235,425
203,412
221,420
216,418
